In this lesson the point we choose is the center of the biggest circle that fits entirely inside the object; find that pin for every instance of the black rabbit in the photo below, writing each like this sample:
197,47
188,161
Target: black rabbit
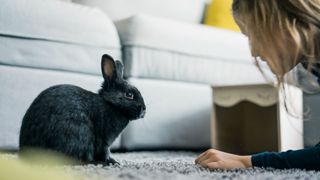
79,123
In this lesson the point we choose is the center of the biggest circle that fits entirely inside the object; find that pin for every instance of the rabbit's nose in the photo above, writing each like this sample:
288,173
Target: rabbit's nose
142,111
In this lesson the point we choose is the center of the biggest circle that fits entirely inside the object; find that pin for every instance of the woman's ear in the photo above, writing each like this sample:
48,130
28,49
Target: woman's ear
108,68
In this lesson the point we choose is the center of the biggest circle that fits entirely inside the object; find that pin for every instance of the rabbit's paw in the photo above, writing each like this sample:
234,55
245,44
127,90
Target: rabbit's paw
108,162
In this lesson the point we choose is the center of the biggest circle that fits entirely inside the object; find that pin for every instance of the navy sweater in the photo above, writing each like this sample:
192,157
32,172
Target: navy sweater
308,159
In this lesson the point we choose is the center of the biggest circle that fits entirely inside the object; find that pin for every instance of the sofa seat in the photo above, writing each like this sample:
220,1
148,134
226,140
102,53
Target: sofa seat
159,48
55,35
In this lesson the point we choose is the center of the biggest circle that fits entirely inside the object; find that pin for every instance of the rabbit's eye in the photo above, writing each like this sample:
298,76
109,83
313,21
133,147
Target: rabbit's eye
129,95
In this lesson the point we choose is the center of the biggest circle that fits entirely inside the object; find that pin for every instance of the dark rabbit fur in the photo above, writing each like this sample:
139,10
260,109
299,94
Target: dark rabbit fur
81,124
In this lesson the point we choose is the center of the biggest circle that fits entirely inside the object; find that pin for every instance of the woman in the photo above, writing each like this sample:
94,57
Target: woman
283,33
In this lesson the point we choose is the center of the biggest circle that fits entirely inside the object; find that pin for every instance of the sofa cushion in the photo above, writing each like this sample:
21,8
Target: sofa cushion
163,49
182,10
55,35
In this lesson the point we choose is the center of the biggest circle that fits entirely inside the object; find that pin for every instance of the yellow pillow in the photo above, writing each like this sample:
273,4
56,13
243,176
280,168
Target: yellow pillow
219,14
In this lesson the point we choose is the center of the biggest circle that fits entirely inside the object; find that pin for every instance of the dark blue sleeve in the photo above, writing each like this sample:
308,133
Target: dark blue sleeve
308,159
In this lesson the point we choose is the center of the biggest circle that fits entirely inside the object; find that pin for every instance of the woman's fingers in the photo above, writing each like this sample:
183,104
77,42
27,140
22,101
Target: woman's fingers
201,157
207,161
207,156
214,165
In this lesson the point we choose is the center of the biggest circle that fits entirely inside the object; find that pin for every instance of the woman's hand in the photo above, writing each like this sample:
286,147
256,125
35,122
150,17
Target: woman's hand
214,159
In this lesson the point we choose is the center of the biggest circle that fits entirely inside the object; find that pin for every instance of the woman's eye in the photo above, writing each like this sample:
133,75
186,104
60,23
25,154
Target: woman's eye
129,95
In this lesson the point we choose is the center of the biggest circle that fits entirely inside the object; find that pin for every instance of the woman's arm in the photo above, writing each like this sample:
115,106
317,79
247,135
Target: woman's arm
308,159
303,159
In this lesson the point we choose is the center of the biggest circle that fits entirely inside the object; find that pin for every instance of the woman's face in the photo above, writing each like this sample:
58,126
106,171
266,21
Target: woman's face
244,32
285,50
242,26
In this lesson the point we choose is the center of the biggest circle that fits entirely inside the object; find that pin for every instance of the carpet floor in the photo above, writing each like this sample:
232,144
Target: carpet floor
173,166
178,166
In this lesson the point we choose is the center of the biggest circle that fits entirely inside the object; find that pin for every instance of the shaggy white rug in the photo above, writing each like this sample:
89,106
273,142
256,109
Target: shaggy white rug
177,166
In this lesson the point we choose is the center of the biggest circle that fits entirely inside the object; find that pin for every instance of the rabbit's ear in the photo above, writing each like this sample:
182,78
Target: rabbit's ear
119,69
108,68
